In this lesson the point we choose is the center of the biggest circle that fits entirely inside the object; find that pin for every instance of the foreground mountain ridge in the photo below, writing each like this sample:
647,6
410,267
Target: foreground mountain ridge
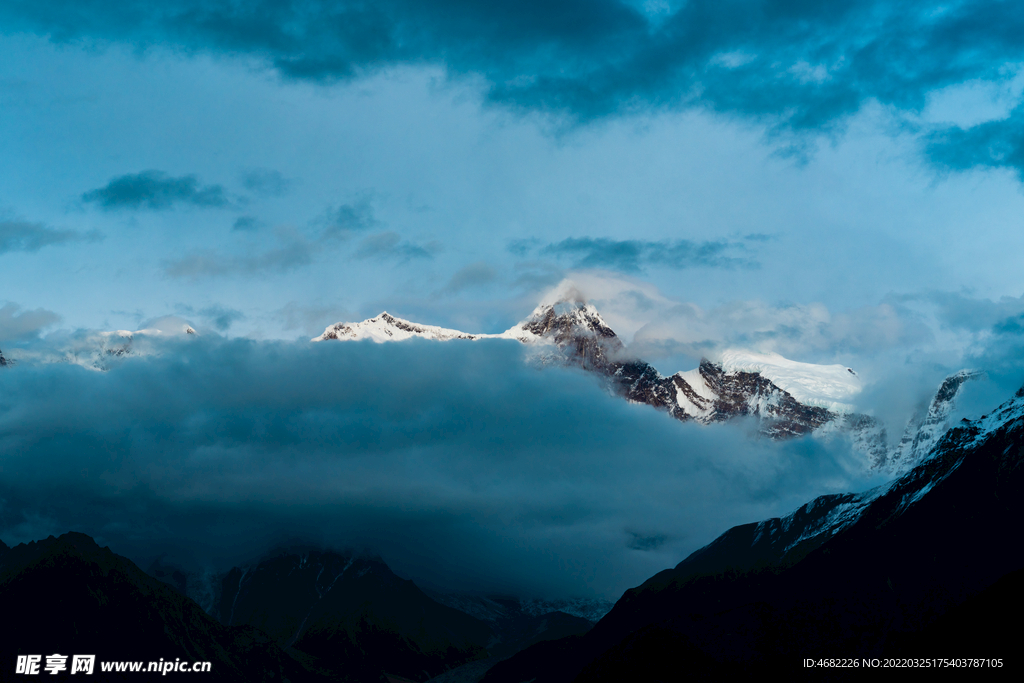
70,596
295,615
926,566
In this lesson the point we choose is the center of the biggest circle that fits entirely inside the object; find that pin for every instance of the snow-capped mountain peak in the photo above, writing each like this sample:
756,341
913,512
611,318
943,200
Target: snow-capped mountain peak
788,398
386,327
567,330
561,321
557,323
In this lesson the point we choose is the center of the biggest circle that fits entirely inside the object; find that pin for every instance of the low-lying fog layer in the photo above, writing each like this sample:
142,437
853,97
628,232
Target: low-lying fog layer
459,463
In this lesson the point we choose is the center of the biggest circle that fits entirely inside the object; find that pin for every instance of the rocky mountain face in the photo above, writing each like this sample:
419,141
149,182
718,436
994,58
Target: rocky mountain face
889,572
924,430
573,333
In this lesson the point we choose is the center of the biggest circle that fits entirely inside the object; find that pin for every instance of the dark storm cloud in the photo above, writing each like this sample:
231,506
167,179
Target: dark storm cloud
155,190
802,64
632,256
458,462
18,325
641,542
994,144
18,235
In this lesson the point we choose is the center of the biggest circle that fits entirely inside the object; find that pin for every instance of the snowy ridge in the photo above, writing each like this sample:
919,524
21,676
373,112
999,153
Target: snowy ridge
1009,415
538,328
99,350
814,522
827,386
788,398
923,432
918,477
386,327
570,331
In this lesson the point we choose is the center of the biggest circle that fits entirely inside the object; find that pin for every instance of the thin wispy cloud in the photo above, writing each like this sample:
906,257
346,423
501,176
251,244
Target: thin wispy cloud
291,252
474,275
266,182
390,245
219,317
16,235
289,249
633,256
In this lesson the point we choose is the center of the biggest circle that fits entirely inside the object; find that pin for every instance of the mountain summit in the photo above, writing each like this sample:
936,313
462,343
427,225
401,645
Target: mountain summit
788,398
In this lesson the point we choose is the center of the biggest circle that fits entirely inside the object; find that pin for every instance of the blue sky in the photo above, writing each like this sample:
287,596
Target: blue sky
835,182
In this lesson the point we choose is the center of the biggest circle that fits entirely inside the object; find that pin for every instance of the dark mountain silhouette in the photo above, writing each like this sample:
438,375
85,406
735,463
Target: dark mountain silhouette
67,595
341,613
903,570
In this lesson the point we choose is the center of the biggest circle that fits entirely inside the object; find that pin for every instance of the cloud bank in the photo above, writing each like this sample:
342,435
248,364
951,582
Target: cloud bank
463,466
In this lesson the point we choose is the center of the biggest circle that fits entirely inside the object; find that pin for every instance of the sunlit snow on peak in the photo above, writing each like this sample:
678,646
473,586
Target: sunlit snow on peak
829,386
